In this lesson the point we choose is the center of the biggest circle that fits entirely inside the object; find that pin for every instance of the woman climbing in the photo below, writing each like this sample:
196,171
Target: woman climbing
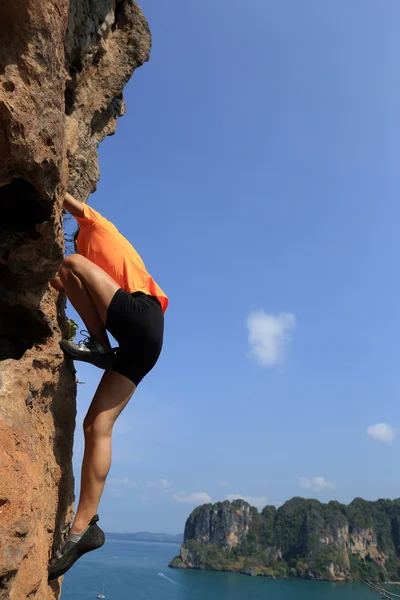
108,285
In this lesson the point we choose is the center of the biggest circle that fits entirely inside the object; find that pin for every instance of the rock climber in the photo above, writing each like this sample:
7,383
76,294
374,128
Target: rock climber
107,283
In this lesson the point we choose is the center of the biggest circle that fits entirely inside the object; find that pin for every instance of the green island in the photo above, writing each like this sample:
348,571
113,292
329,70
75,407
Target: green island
303,538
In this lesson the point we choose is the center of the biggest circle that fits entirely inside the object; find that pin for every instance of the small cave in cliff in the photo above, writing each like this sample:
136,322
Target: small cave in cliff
75,68
101,118
120,18
20,330
6,580
21,208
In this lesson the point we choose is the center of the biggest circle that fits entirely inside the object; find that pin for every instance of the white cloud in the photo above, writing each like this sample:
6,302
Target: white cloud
268,335
257,501
160,484
144,497
223,483
381,432
195,498
124,482
317,484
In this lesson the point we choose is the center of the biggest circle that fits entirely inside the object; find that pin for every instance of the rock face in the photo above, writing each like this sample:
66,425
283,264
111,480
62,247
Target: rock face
63,66
225,525
303,538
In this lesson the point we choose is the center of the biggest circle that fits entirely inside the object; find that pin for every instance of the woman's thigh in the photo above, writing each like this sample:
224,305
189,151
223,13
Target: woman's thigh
100,286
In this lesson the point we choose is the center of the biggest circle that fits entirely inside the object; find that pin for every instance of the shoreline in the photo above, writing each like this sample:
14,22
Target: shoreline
248,573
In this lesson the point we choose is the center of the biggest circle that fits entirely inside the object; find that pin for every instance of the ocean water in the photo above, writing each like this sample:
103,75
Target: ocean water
139,570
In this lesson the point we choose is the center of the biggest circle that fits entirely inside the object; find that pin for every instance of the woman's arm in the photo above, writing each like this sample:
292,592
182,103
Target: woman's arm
73,206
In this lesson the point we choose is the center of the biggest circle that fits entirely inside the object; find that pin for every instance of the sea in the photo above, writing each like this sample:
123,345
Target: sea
139,570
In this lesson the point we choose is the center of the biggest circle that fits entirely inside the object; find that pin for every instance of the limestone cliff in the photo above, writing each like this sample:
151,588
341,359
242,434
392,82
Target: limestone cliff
219,524
303,538
63,66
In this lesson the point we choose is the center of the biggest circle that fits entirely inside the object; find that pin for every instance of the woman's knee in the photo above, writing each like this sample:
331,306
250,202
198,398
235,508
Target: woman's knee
97,427
70,263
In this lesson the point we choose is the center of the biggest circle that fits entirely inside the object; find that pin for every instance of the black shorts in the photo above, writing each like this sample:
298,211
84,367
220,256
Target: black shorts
136,321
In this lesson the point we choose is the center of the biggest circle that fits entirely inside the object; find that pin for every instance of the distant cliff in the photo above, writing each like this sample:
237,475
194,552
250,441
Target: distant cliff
302,538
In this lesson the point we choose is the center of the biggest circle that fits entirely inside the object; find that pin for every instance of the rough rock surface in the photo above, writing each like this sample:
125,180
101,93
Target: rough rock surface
223,524
303,538
63,66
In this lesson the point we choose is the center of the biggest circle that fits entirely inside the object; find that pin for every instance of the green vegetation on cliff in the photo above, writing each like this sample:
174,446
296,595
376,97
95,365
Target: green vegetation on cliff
72,329
303,538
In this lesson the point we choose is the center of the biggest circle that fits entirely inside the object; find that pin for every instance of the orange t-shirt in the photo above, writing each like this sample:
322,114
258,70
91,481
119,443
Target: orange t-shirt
101,242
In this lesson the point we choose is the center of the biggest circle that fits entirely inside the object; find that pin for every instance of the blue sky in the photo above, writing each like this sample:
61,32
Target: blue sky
257,173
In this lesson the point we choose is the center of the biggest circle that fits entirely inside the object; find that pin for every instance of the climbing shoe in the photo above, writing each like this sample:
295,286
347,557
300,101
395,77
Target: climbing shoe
74,546
88,350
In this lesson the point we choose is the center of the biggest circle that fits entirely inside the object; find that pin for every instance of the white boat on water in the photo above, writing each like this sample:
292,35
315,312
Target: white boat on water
101,594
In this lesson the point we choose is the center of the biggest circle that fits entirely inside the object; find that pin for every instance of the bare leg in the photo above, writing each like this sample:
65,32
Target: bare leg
84,306
111,397
90,291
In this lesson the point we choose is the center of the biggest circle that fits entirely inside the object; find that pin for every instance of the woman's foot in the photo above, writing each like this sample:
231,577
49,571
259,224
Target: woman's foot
89,350
74,547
